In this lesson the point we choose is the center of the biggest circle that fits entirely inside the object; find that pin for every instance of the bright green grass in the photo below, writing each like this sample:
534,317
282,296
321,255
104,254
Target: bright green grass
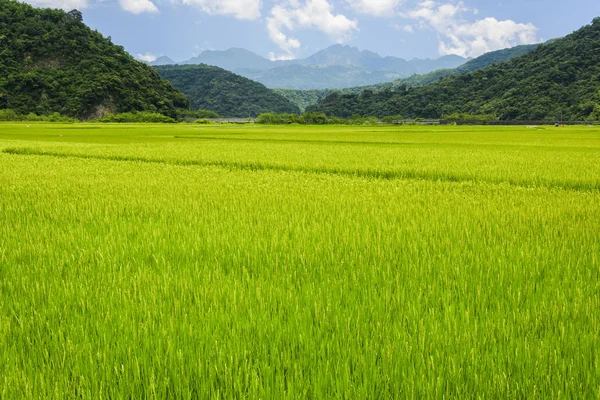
227,262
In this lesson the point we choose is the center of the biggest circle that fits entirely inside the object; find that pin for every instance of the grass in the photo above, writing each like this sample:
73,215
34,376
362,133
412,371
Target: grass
299,262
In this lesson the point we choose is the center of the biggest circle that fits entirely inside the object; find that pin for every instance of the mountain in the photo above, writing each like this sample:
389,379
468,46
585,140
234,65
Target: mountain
482,61
164,60
557,80
342,67
215,89
445,62
340,55
232,60
236,59
334,67
306,98
50,61
318,77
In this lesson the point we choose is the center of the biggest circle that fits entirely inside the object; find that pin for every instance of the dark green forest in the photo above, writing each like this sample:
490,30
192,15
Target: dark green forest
228,94
50,61
558,80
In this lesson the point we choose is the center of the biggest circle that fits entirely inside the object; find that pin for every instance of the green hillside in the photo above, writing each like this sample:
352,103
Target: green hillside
558,80
231,95
492,57
50,61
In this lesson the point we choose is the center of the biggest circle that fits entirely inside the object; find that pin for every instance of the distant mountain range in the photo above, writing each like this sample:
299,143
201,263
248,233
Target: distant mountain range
335,67
305,98
310,77
558,80
232,60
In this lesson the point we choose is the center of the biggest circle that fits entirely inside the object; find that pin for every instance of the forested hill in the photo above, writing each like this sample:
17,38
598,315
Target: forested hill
488,59
560,79
50,61
231,95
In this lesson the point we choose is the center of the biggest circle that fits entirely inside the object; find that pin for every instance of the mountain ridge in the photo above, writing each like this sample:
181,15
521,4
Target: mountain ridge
305,98
231,59
163,60
355,67
558,80
335,55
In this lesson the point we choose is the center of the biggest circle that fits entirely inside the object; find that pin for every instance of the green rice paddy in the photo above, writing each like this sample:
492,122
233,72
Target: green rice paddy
182,261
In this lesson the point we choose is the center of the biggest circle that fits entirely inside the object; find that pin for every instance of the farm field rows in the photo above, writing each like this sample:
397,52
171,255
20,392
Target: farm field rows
193,261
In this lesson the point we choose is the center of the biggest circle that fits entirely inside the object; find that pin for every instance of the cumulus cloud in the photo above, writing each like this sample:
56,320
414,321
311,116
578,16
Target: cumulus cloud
138,6
240,9
148,57
66,5
313,14
469,39
378,8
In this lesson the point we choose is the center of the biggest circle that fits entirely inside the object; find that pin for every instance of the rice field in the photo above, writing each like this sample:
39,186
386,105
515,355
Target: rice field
183,261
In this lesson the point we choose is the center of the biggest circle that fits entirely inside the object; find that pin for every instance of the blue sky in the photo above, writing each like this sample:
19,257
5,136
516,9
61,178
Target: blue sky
284,29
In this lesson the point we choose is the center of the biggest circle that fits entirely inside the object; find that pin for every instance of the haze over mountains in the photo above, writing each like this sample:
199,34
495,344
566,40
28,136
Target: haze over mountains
335,67
305,98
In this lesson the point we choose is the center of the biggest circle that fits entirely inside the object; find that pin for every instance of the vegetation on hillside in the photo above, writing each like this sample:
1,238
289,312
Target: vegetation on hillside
50,61
215,89
321,119
145,117
305,98
558,80
12,116
497,56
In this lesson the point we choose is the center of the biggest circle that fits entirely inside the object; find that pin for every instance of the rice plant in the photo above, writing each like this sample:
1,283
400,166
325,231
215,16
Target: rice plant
299,262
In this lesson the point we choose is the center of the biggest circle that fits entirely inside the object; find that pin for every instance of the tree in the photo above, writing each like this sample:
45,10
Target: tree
75,14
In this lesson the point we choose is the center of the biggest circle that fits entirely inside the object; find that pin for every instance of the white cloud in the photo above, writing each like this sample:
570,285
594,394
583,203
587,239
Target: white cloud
66,5
138,6
282,57
378,8
240,9
314,14
469,39
148,57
